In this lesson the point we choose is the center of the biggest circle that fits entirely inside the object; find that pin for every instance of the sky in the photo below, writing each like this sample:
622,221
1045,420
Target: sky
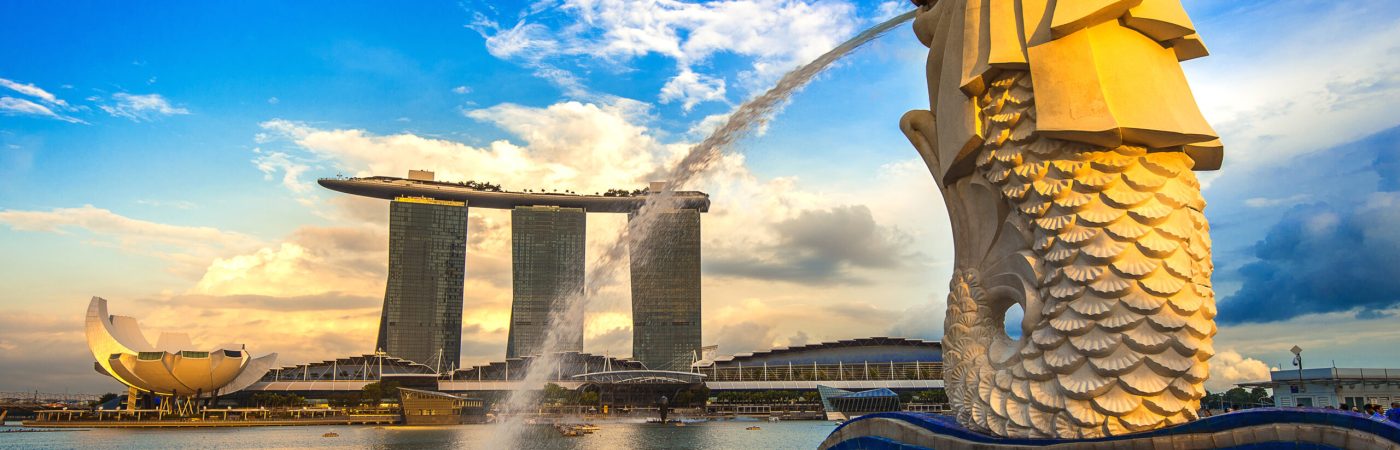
163,155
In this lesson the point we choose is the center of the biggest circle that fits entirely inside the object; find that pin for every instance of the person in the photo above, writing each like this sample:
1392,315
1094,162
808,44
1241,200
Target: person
1394,412
1374,412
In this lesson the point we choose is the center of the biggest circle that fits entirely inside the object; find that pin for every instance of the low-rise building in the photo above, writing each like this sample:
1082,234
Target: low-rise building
1332,387
421,407
853,364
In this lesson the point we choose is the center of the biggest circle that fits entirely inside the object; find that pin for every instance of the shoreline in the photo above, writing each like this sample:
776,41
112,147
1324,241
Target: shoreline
359,421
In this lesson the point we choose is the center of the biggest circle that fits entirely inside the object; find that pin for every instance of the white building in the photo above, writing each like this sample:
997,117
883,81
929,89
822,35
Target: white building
1332,387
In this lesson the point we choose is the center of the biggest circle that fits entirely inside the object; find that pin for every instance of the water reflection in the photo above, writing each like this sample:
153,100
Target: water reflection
706,435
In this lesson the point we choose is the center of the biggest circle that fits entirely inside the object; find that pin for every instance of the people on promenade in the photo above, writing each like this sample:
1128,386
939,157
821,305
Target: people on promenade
1374,412
1394,412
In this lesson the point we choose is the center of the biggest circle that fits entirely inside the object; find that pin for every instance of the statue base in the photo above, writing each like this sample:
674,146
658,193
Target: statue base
1260,428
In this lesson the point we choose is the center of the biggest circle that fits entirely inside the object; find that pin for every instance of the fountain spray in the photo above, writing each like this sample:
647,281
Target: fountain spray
751,114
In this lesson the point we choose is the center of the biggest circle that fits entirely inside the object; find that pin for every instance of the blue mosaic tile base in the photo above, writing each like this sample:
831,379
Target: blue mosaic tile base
1383,431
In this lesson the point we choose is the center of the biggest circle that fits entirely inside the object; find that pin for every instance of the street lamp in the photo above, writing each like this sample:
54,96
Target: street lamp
1298,361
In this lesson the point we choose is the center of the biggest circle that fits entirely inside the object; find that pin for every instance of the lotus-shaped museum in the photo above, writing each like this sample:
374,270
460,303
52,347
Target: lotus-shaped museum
171,367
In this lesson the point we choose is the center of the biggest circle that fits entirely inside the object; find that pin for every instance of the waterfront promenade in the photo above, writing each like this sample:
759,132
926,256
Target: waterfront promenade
210,418
611,435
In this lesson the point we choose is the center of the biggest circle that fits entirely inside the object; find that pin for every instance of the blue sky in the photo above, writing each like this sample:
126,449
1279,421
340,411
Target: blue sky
163,155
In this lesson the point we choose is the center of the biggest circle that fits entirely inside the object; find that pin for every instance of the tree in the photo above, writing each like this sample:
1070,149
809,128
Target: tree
344,400
104,399
1239,398
1260,396
555,394
931,396
701,394
374,393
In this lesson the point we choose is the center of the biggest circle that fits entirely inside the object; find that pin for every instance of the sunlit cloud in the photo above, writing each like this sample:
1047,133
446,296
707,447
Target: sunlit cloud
186,247
1229,368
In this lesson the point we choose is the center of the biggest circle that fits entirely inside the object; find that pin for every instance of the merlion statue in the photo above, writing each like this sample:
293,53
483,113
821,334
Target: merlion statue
1063,137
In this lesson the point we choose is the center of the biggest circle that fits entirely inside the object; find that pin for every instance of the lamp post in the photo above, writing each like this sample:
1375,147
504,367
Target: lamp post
1298,361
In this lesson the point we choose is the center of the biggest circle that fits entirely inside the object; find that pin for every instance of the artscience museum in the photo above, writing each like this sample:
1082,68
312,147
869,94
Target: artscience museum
173,368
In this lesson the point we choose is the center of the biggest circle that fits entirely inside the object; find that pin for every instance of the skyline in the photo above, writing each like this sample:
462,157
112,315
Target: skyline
180,184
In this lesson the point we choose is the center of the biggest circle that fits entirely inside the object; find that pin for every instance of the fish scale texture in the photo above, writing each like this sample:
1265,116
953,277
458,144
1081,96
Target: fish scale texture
1108,251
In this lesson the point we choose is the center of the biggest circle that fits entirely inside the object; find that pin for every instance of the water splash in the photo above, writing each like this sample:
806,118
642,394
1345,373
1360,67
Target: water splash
753,114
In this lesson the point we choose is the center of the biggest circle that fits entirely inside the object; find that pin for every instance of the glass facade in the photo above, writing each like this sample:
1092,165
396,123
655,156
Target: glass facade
666,291
422,316
547,266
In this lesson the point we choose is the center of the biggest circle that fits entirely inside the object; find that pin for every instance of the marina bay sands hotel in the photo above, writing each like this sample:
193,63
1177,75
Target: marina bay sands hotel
422,316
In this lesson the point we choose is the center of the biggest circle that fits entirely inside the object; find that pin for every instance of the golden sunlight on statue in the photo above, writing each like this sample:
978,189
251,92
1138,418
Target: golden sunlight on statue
1063,136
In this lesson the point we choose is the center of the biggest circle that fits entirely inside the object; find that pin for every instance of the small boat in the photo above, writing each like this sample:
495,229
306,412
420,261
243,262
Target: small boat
753,428
680,424
330,434
773,419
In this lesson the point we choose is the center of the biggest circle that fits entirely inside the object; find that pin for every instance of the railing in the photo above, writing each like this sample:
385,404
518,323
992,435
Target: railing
45,397
221,415
872,371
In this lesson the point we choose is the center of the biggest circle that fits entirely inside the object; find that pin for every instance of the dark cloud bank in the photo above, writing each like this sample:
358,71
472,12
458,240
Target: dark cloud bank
1341,254
819,247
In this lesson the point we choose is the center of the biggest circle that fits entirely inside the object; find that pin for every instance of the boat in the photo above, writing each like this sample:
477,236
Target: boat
753,428
575,430
331,434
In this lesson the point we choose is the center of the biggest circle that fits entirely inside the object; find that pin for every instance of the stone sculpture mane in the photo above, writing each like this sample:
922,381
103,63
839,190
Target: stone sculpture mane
1063,136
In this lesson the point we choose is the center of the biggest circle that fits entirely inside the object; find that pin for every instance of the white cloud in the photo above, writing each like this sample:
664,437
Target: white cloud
49,105
530,45
272,162
461,90
31,90
102,221
187,247
692,88
273,100
1229,368
891,8
1266,202
11,106
922,321
1274,90
292,268
1356,346
141,108
571,145
776,34
178,204
589,147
